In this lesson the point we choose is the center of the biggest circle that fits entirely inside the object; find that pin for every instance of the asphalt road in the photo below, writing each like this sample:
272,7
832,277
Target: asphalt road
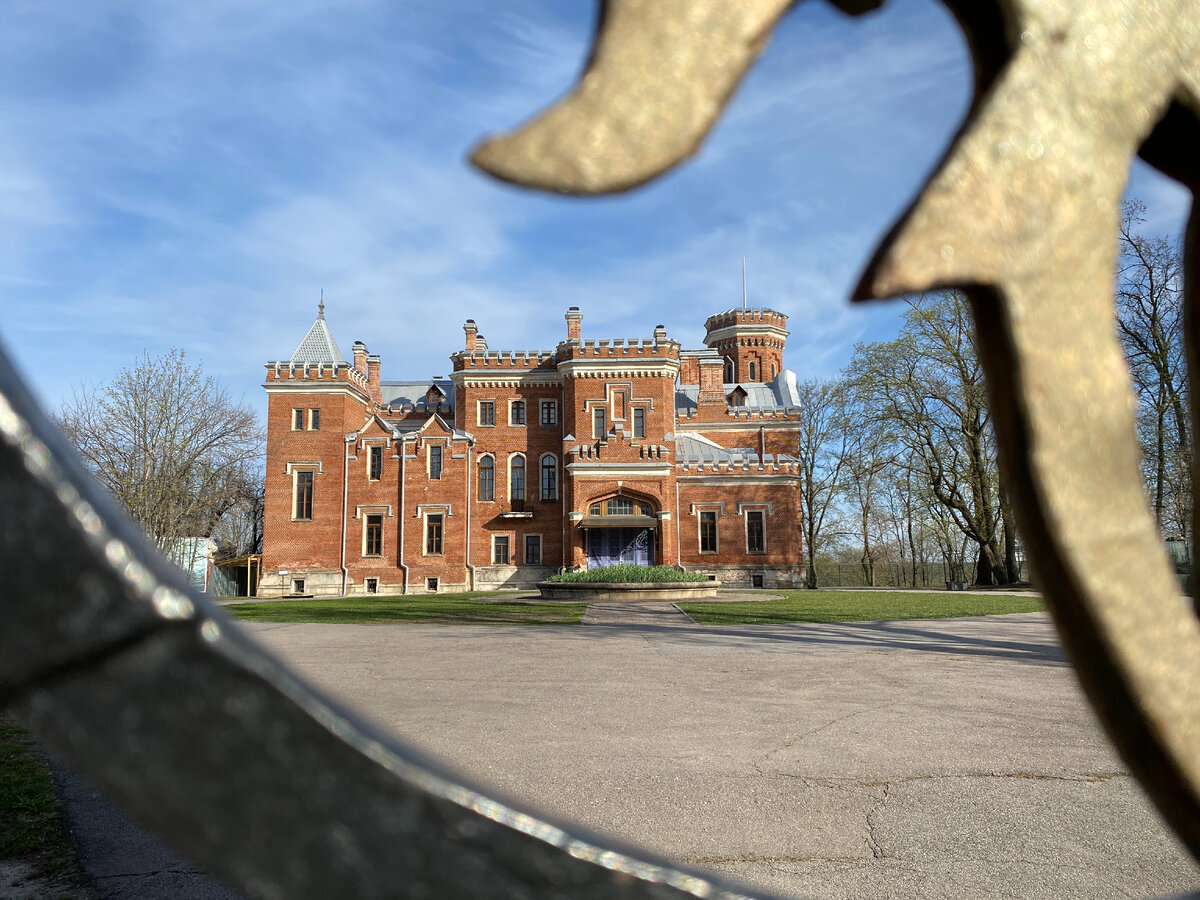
945,758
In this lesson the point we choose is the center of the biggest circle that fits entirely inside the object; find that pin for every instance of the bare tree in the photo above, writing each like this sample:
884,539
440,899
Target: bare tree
927,385
239,531
869,453
168,443
1151,327
821,447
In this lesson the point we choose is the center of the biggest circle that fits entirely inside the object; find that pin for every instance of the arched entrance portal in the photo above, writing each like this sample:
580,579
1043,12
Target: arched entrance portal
620,530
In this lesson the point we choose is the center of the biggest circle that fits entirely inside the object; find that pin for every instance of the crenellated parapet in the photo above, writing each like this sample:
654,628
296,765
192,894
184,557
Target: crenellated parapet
746,317
506,360
619,348
739,464
328,373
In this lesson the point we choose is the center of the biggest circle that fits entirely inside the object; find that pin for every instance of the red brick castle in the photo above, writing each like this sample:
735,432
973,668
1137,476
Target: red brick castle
526,462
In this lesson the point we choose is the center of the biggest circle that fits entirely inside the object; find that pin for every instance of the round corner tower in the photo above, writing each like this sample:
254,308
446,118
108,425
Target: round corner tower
751,342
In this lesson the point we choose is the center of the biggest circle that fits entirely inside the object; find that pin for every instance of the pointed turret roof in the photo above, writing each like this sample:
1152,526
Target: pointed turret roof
318,345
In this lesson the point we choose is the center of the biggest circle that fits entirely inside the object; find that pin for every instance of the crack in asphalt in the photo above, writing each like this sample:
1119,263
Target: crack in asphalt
872,840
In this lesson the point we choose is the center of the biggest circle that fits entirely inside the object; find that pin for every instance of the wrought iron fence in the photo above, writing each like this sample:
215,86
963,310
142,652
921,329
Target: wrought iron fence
137,681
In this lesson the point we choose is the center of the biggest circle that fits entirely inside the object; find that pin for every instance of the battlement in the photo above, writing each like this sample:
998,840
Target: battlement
506,360
619,348
316,372
742,412
740,463
746,317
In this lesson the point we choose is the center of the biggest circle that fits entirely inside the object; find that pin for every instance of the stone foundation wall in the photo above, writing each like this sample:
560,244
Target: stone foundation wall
773,578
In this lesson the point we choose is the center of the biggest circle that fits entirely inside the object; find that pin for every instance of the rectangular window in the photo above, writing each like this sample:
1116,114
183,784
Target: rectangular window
433,535
598,422
639,422
533,549
297,585
314,420
372,585
297,420
549,412
500,549
304,495
708,531
431,585
373,536
375,463
487,412
435,461
756,534
516,412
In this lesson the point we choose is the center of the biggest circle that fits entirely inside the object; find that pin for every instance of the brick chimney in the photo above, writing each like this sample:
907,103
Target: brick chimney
660,333
471,332
360,356
373,378
712,388
574,324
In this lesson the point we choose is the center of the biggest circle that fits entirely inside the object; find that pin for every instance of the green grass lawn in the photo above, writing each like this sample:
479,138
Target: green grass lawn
457,609
30,827
858,606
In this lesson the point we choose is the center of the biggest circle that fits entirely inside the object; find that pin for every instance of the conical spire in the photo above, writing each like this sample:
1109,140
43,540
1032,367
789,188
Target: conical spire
318,345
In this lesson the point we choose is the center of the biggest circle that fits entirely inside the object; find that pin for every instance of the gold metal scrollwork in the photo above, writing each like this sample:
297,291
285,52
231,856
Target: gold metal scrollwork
1022,214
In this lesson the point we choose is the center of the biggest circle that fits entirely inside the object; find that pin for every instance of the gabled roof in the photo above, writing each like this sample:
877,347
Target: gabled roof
318,345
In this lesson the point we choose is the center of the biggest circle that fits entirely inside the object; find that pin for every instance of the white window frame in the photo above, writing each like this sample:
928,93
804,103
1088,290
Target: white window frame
525,478
762,511
525,546
299,415
314,418
479,466
372,449
512,405
716,514
443,514
508,543
552,405
541,486
366,526
312,500
479,414
429,460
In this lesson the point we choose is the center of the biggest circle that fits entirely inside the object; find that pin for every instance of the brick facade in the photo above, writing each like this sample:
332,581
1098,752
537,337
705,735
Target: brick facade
523,463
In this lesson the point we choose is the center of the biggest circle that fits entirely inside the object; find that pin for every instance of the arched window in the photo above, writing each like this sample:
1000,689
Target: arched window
487,478
730,374
549,477
516,478
774,370
753,372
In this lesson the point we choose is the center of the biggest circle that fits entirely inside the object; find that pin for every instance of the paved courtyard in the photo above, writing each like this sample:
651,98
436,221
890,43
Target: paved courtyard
946,758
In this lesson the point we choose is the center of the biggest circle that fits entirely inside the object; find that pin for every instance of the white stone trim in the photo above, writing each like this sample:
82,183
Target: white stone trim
423,508
619,470
733,480
312,465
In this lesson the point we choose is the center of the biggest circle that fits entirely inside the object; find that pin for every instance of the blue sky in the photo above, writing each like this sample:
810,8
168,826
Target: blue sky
194,174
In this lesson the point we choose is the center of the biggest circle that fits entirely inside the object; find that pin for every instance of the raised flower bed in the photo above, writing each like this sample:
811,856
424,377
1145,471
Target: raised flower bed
628,583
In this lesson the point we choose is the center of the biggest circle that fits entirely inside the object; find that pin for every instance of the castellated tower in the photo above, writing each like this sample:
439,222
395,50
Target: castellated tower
751,342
